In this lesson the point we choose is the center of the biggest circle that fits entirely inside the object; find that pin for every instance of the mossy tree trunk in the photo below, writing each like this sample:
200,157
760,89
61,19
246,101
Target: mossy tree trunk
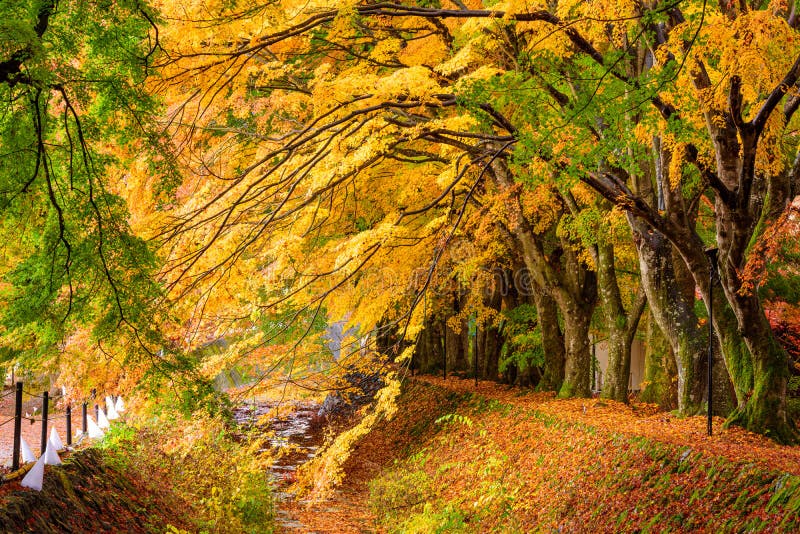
557,270
552,342
621,324
674,313
747,197
577,356
761,409
660,372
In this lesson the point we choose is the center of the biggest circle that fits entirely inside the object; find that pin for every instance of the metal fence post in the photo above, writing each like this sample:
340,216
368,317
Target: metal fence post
45,407
475,351
69,424
444,359
84,426
96,412
17,426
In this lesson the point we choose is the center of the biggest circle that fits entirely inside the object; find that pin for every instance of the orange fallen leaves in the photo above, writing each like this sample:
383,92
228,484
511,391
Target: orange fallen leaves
527,461
644,420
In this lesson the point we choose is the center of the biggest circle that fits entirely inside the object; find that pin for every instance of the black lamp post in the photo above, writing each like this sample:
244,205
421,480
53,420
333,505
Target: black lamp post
712,276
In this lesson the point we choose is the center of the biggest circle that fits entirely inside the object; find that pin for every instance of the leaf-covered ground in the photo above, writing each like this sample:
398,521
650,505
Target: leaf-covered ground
92,492
642,420
459,460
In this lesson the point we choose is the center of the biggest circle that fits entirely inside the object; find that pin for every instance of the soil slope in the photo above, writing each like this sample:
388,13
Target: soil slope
89,492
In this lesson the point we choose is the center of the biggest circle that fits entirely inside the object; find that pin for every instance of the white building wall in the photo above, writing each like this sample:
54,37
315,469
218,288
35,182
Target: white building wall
600,350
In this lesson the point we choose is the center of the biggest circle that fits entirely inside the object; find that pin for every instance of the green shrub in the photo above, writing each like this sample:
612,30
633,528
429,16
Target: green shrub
398,492
224,477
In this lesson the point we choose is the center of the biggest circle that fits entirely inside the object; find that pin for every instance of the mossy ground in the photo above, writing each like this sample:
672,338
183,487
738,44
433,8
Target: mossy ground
92,492
182,476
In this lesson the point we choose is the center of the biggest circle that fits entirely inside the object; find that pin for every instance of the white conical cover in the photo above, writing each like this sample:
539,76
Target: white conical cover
110,410
56,440
94,430
35,476
50,454
27,453
102,420
119,406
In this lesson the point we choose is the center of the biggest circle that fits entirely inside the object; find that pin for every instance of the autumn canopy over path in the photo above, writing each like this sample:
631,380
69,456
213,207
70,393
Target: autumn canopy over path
209,205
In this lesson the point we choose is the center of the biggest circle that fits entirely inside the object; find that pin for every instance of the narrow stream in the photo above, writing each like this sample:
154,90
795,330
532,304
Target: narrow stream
296,438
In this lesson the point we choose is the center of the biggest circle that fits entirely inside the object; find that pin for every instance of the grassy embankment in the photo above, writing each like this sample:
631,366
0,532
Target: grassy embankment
521,462
178,476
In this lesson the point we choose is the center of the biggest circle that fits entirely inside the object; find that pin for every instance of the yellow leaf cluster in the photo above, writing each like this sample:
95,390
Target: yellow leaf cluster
415,82
387,49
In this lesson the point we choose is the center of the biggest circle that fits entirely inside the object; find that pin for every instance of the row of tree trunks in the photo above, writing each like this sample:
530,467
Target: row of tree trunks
442,348
556,271
747,196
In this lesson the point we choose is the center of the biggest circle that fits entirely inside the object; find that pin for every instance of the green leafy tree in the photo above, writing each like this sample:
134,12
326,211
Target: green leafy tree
73,111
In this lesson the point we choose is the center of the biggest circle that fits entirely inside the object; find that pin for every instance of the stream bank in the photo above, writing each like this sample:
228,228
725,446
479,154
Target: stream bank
90,492
294,438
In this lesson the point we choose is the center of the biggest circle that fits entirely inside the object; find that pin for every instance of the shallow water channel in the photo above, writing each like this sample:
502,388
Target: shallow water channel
295,438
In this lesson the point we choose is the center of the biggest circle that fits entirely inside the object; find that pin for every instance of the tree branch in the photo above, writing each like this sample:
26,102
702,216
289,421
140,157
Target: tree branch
10,68
789,81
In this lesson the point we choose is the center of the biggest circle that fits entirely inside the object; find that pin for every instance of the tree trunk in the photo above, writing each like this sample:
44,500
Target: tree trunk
765,409
661,374
490,344
618,372
455,349
741,208
673,313
428,352
552,342
456,336
756,362
560,273
577,367
462,364
620,325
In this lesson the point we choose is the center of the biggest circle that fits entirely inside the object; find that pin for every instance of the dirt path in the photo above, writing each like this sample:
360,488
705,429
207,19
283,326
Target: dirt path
346,511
